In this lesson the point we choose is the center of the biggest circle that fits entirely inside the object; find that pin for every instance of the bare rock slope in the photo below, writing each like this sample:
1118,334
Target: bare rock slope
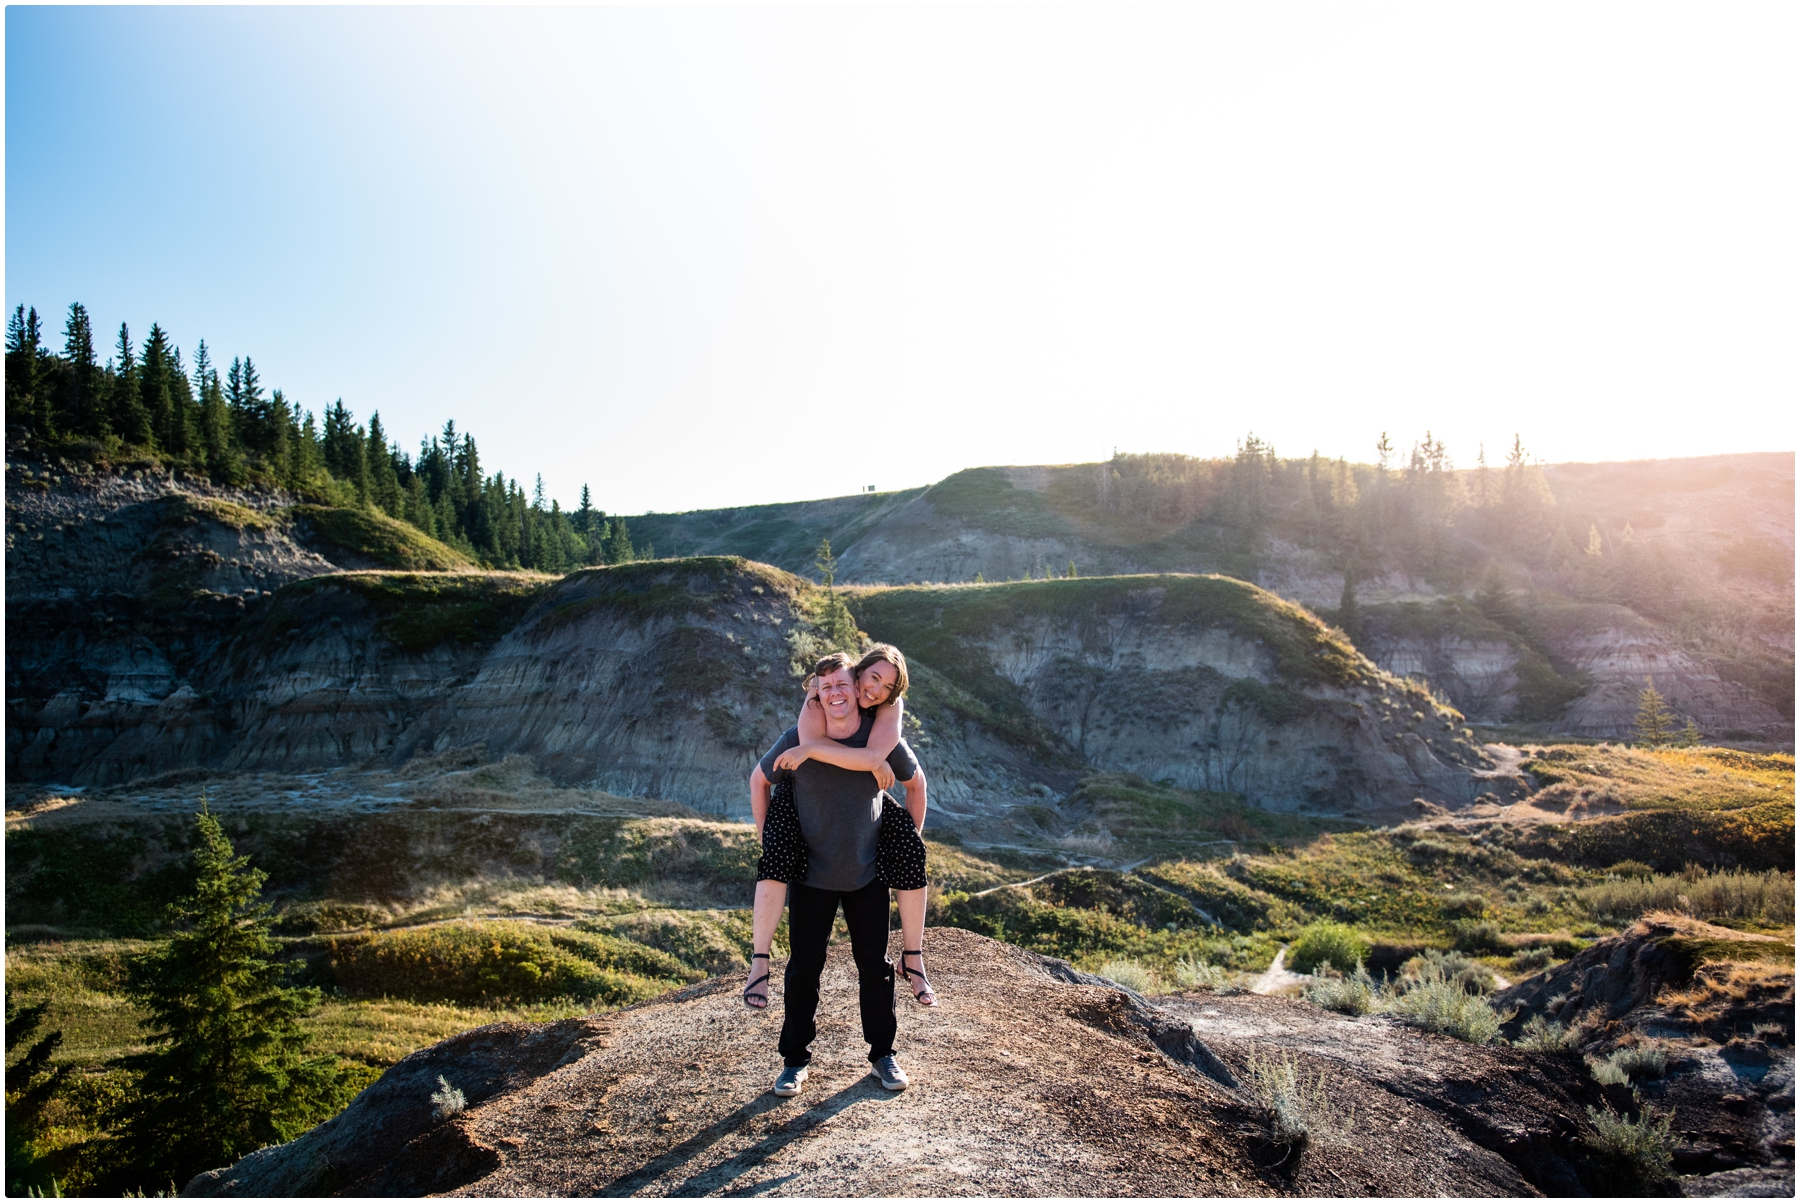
668,679
1029,1080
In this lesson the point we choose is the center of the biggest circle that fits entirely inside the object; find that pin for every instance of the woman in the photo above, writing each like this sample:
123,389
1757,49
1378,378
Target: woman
881,682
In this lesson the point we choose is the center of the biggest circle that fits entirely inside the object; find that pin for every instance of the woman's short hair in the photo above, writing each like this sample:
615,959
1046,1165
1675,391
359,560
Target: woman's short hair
892,655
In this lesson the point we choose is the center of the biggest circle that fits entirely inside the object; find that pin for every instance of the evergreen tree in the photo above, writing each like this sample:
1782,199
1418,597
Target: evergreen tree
157,393
1494,600
384,475
216,441
1349,616
130,420
82,412
1655,723
278,419
309,455
228,1070
831,617
584,516
25,411
618,544
31,1082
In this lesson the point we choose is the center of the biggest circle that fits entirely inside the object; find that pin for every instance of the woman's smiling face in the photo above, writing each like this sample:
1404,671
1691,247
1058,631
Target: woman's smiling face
876,684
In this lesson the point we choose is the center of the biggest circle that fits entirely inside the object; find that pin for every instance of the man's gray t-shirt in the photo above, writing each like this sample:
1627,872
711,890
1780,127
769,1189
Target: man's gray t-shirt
840,809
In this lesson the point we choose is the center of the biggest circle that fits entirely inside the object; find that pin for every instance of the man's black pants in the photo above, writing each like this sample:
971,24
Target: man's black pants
810,916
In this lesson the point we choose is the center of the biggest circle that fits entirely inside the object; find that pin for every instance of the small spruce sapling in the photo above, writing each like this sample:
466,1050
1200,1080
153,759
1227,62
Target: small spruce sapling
1655,724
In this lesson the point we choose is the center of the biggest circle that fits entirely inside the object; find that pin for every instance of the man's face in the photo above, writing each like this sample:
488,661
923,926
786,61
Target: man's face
837,693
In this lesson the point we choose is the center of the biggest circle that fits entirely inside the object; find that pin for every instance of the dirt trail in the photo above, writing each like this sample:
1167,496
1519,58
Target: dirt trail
1278,977
1028,1080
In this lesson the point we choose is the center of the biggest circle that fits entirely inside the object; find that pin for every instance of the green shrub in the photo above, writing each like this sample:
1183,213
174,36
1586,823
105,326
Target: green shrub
1608,1074
1644,1062
1439,1004
1631,869
1334,942
1192,973
1471,976
1465,904
1296,1105
1542,1035
466,962
1641,1151
1133,974
1531,960
1351,994
1480,939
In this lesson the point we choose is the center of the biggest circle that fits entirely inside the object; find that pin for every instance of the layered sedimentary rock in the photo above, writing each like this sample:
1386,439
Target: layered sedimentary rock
669,678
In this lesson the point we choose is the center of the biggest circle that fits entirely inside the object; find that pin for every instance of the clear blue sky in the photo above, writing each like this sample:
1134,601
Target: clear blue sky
705,257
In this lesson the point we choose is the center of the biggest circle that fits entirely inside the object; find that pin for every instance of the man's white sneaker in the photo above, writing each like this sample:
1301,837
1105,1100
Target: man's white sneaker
891,1075
792,1078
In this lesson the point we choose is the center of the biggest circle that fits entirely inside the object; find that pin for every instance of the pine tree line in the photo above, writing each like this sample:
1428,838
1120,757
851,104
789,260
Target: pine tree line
146,404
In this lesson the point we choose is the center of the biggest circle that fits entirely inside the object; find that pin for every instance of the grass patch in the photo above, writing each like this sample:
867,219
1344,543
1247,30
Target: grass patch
668,588
1090,918
415,611
1754,838
375,537
1764,899
1147,815
1685,779
485,961
185,510
985,498
1298,1106
1540,1035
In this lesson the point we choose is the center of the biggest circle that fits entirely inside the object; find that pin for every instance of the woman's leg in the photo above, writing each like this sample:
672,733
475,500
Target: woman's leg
765,917
912,943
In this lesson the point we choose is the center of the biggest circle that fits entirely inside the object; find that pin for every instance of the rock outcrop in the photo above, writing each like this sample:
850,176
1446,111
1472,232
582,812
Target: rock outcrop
1718,1005
1027,1080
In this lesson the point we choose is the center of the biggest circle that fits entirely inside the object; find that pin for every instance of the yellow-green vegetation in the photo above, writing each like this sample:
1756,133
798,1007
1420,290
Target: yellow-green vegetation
372,535
1150,817
1327,943
184,510
1708,806
1733,898
468,962
1092,917
1689,779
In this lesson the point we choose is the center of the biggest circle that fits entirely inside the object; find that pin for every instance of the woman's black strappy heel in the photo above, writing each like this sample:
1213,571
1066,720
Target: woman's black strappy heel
923,990
751,1000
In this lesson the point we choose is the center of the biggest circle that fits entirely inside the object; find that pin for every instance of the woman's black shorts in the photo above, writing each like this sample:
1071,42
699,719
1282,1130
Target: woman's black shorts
899,858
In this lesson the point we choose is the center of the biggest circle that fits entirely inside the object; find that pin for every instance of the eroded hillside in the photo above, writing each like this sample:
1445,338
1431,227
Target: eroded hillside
1536,595
668,678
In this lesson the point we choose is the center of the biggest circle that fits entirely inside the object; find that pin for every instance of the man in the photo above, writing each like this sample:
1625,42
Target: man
840,818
